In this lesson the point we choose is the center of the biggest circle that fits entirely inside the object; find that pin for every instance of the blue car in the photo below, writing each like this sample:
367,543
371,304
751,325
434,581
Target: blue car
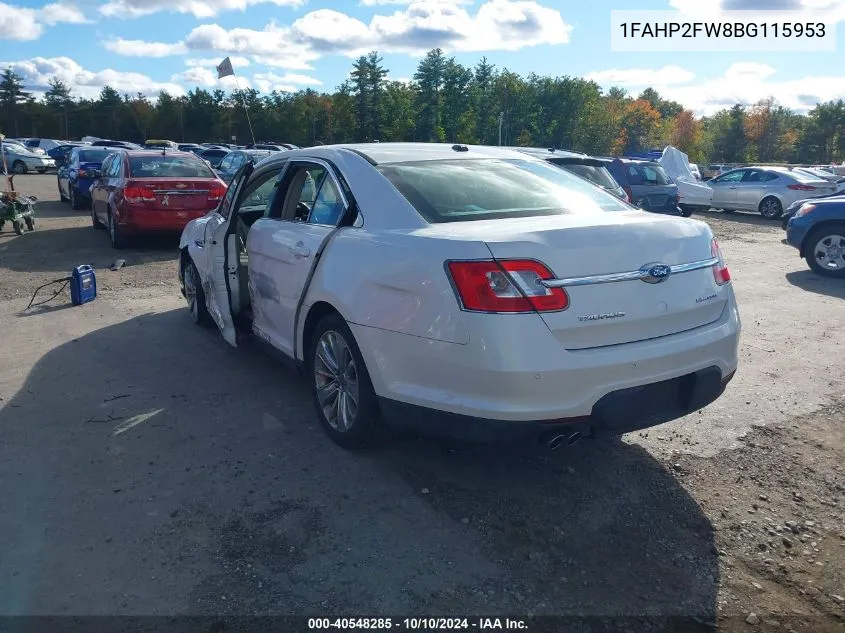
817,230
80,170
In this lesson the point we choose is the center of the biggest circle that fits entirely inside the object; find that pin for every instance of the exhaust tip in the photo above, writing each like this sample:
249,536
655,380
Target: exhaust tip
556,442
573,438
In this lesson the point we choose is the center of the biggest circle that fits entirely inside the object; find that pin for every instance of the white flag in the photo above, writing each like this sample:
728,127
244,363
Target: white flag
225,69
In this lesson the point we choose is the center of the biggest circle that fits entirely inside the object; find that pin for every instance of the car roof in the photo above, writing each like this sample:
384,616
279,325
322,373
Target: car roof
548,152
388,153
156,152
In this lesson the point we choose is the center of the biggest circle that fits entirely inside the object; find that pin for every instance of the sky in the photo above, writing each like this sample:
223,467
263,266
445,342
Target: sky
151,45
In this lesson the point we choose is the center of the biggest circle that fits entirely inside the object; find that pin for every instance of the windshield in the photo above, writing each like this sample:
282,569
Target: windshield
651,174
483,189
93,155
167,167
597,175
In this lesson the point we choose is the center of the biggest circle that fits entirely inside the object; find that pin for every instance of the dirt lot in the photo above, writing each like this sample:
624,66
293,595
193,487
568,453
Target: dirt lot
149,469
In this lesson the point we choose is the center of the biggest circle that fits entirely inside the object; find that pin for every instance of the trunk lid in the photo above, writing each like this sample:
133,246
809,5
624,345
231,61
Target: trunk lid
574,246
656,198
177,194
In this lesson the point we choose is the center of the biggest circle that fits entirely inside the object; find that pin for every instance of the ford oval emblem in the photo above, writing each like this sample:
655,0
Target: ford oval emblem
655,273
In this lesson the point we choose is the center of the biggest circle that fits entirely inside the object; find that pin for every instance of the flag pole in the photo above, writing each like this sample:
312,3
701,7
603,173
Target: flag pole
246,110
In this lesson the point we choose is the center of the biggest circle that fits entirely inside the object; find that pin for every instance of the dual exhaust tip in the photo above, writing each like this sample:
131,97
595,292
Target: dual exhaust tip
557,440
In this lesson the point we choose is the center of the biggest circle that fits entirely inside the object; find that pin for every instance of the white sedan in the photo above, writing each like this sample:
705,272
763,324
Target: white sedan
471,291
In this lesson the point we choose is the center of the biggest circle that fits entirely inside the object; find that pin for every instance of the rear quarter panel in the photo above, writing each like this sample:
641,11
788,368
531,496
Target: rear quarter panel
397,282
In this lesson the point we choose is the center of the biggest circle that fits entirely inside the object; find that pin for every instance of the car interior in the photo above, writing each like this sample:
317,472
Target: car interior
310,197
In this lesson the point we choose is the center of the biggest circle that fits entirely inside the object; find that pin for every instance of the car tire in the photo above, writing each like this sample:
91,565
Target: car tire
826,237
62,196
770,208
343,394
194,294
118,239
686,211
17,225
19,167
75,203
94,221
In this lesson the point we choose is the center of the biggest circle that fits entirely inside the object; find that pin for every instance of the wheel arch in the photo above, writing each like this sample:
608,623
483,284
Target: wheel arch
316,313
822,224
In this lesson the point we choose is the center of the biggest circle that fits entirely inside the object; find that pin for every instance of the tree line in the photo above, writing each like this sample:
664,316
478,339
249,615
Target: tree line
445,101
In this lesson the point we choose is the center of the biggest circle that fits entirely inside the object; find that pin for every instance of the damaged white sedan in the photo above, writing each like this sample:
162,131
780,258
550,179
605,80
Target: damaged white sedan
469,291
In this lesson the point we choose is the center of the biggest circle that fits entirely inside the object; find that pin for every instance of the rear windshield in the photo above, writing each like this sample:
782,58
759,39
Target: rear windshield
94,155
168,167
484,189
803,176
597,175
647,175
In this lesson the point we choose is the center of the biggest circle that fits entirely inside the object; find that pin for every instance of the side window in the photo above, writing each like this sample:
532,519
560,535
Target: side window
734,176
754,175
767,176
226,162
310,196
237,161
106,166
226,205
259,193
114,170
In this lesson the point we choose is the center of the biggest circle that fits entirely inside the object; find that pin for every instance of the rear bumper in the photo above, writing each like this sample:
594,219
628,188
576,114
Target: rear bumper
616,413
157,221
513,372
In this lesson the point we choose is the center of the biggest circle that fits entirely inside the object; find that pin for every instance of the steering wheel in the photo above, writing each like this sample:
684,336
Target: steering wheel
302,209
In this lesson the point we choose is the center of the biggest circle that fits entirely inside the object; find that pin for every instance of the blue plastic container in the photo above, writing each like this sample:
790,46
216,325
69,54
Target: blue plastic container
83,285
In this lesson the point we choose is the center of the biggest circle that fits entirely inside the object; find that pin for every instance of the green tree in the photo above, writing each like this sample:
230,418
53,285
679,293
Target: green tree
429,82
12,97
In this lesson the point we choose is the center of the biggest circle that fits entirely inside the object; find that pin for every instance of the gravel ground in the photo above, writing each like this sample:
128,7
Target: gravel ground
149,469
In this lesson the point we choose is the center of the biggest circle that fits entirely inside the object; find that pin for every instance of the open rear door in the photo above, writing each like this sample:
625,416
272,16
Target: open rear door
224,268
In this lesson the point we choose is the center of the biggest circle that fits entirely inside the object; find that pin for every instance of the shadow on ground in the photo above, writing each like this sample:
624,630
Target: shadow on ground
811,282
60,249
148,468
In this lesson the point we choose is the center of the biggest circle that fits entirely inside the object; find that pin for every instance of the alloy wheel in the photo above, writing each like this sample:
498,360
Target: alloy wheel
336,379
190,283
829,252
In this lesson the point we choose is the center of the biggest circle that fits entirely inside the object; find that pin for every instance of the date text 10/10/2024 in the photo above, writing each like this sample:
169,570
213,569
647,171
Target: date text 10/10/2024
418,624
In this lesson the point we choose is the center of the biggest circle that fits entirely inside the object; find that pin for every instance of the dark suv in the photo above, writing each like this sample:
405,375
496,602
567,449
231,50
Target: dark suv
592,169
648,186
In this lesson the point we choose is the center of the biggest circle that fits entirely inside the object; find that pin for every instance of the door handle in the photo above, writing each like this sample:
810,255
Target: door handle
300,250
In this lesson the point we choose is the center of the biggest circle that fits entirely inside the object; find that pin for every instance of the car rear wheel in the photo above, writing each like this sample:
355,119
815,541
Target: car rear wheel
118,239
62,196
825,250
770,208
194,294
342,391
19,167
76,203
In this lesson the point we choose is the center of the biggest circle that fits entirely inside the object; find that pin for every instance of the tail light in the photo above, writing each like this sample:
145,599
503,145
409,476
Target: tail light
629,193
508,286
217,191
720,270
800,187
135,194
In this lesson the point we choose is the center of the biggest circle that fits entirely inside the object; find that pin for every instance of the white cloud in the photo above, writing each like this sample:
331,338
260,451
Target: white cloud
204,77
140,48
666,76
59,12
213,62
375,3
38,71
744,83
425,24
829,10
197,8
23,23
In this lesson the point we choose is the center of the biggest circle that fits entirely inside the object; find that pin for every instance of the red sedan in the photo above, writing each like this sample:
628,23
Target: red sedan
152,191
